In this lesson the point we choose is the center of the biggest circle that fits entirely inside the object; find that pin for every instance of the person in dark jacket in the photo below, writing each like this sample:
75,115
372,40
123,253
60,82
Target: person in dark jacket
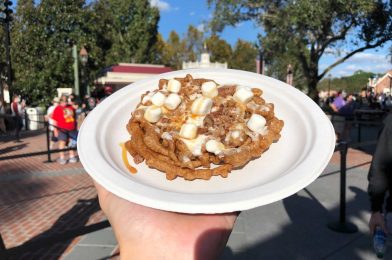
380,179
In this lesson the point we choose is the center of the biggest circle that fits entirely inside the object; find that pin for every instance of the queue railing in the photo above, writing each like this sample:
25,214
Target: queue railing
48,152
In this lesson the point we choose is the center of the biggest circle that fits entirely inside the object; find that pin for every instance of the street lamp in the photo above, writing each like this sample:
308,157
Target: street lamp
83,54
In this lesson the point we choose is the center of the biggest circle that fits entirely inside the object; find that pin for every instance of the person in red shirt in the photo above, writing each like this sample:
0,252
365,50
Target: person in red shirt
64,117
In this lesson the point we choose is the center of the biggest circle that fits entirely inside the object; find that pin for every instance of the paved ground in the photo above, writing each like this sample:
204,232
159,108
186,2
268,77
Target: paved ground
39,200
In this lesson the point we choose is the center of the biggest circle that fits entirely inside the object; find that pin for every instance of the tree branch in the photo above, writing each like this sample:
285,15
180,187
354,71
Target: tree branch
340,36
366,47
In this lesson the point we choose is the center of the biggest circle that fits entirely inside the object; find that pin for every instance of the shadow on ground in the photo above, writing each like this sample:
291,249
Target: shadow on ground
10,136
52,243
307,235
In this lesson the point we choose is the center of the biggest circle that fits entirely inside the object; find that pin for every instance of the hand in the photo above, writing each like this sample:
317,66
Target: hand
146,233
377,219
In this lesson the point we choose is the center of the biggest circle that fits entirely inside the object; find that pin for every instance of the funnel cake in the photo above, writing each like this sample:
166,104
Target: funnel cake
195,128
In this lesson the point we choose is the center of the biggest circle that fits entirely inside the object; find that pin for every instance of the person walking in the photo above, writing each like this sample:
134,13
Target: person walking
3,129
17,109
64,117
380,181
49,118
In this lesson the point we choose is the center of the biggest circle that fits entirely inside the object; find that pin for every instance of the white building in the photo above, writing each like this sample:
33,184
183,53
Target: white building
204,62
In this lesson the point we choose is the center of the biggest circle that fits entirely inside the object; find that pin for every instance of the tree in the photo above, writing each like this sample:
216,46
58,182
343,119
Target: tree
173,54
193,42
220,50
41,55
112,31
309,28
129,30
244,56
351,84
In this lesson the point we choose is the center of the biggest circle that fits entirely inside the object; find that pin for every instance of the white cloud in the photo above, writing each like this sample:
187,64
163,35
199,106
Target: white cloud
192,13
366,61
161,5
201,27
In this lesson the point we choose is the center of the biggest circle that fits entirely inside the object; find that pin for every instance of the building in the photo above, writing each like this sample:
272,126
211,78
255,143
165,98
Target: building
122,74
382,84
204,62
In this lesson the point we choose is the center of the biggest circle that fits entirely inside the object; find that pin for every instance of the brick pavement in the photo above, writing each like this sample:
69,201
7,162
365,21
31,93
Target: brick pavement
40,199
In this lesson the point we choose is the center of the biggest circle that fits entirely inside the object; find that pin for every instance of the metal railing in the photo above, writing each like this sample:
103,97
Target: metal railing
341,225
48,150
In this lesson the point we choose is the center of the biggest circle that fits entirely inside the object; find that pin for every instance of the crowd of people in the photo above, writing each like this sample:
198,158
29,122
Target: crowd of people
65,116
342,107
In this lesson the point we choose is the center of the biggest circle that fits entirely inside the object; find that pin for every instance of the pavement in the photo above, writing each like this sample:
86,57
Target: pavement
49,211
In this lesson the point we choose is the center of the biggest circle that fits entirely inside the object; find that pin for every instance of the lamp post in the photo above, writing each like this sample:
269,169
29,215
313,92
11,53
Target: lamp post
83,54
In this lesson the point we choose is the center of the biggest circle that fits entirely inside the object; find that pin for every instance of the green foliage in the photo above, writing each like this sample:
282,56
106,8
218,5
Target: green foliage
307,28
42,35
219,49
244,56
351,84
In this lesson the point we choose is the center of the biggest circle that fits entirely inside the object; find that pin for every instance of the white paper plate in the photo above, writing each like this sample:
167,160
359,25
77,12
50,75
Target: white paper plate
296,160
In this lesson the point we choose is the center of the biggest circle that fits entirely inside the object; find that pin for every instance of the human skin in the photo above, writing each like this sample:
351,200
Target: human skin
377,219
147,233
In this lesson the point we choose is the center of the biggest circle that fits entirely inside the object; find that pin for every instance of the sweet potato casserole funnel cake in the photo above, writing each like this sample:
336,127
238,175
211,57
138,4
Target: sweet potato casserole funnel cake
195,128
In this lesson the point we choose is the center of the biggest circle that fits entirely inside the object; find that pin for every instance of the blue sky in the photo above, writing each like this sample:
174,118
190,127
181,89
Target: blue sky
178,14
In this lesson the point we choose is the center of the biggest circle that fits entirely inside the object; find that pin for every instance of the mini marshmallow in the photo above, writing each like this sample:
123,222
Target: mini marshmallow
256,123
174,86
243,95
158,99
209,89
195,145
172,101
201,106
188,131
153,114
196,120
214,147
147,97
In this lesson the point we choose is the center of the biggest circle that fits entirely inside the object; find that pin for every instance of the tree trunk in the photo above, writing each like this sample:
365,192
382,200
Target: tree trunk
312,90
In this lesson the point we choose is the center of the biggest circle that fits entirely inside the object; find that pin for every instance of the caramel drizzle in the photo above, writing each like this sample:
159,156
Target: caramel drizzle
124,156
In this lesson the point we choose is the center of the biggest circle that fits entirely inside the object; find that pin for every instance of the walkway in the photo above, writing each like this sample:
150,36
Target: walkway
40,199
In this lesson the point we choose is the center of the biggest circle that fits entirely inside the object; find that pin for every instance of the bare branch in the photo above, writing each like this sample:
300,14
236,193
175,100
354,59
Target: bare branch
366,47
340,36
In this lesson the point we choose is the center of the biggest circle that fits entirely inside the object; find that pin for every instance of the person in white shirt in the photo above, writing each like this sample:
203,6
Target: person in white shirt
49,119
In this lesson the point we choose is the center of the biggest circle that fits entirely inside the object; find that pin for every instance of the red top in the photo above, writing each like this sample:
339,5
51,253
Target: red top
140,69
64,117
15,108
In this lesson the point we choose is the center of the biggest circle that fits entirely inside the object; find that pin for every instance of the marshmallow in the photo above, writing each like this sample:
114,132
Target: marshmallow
196,120
243,95
256,123
236,134
201,106
209,89
174,86
214,147
158,99
153,114
195,145
147,97
188,131
172,101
